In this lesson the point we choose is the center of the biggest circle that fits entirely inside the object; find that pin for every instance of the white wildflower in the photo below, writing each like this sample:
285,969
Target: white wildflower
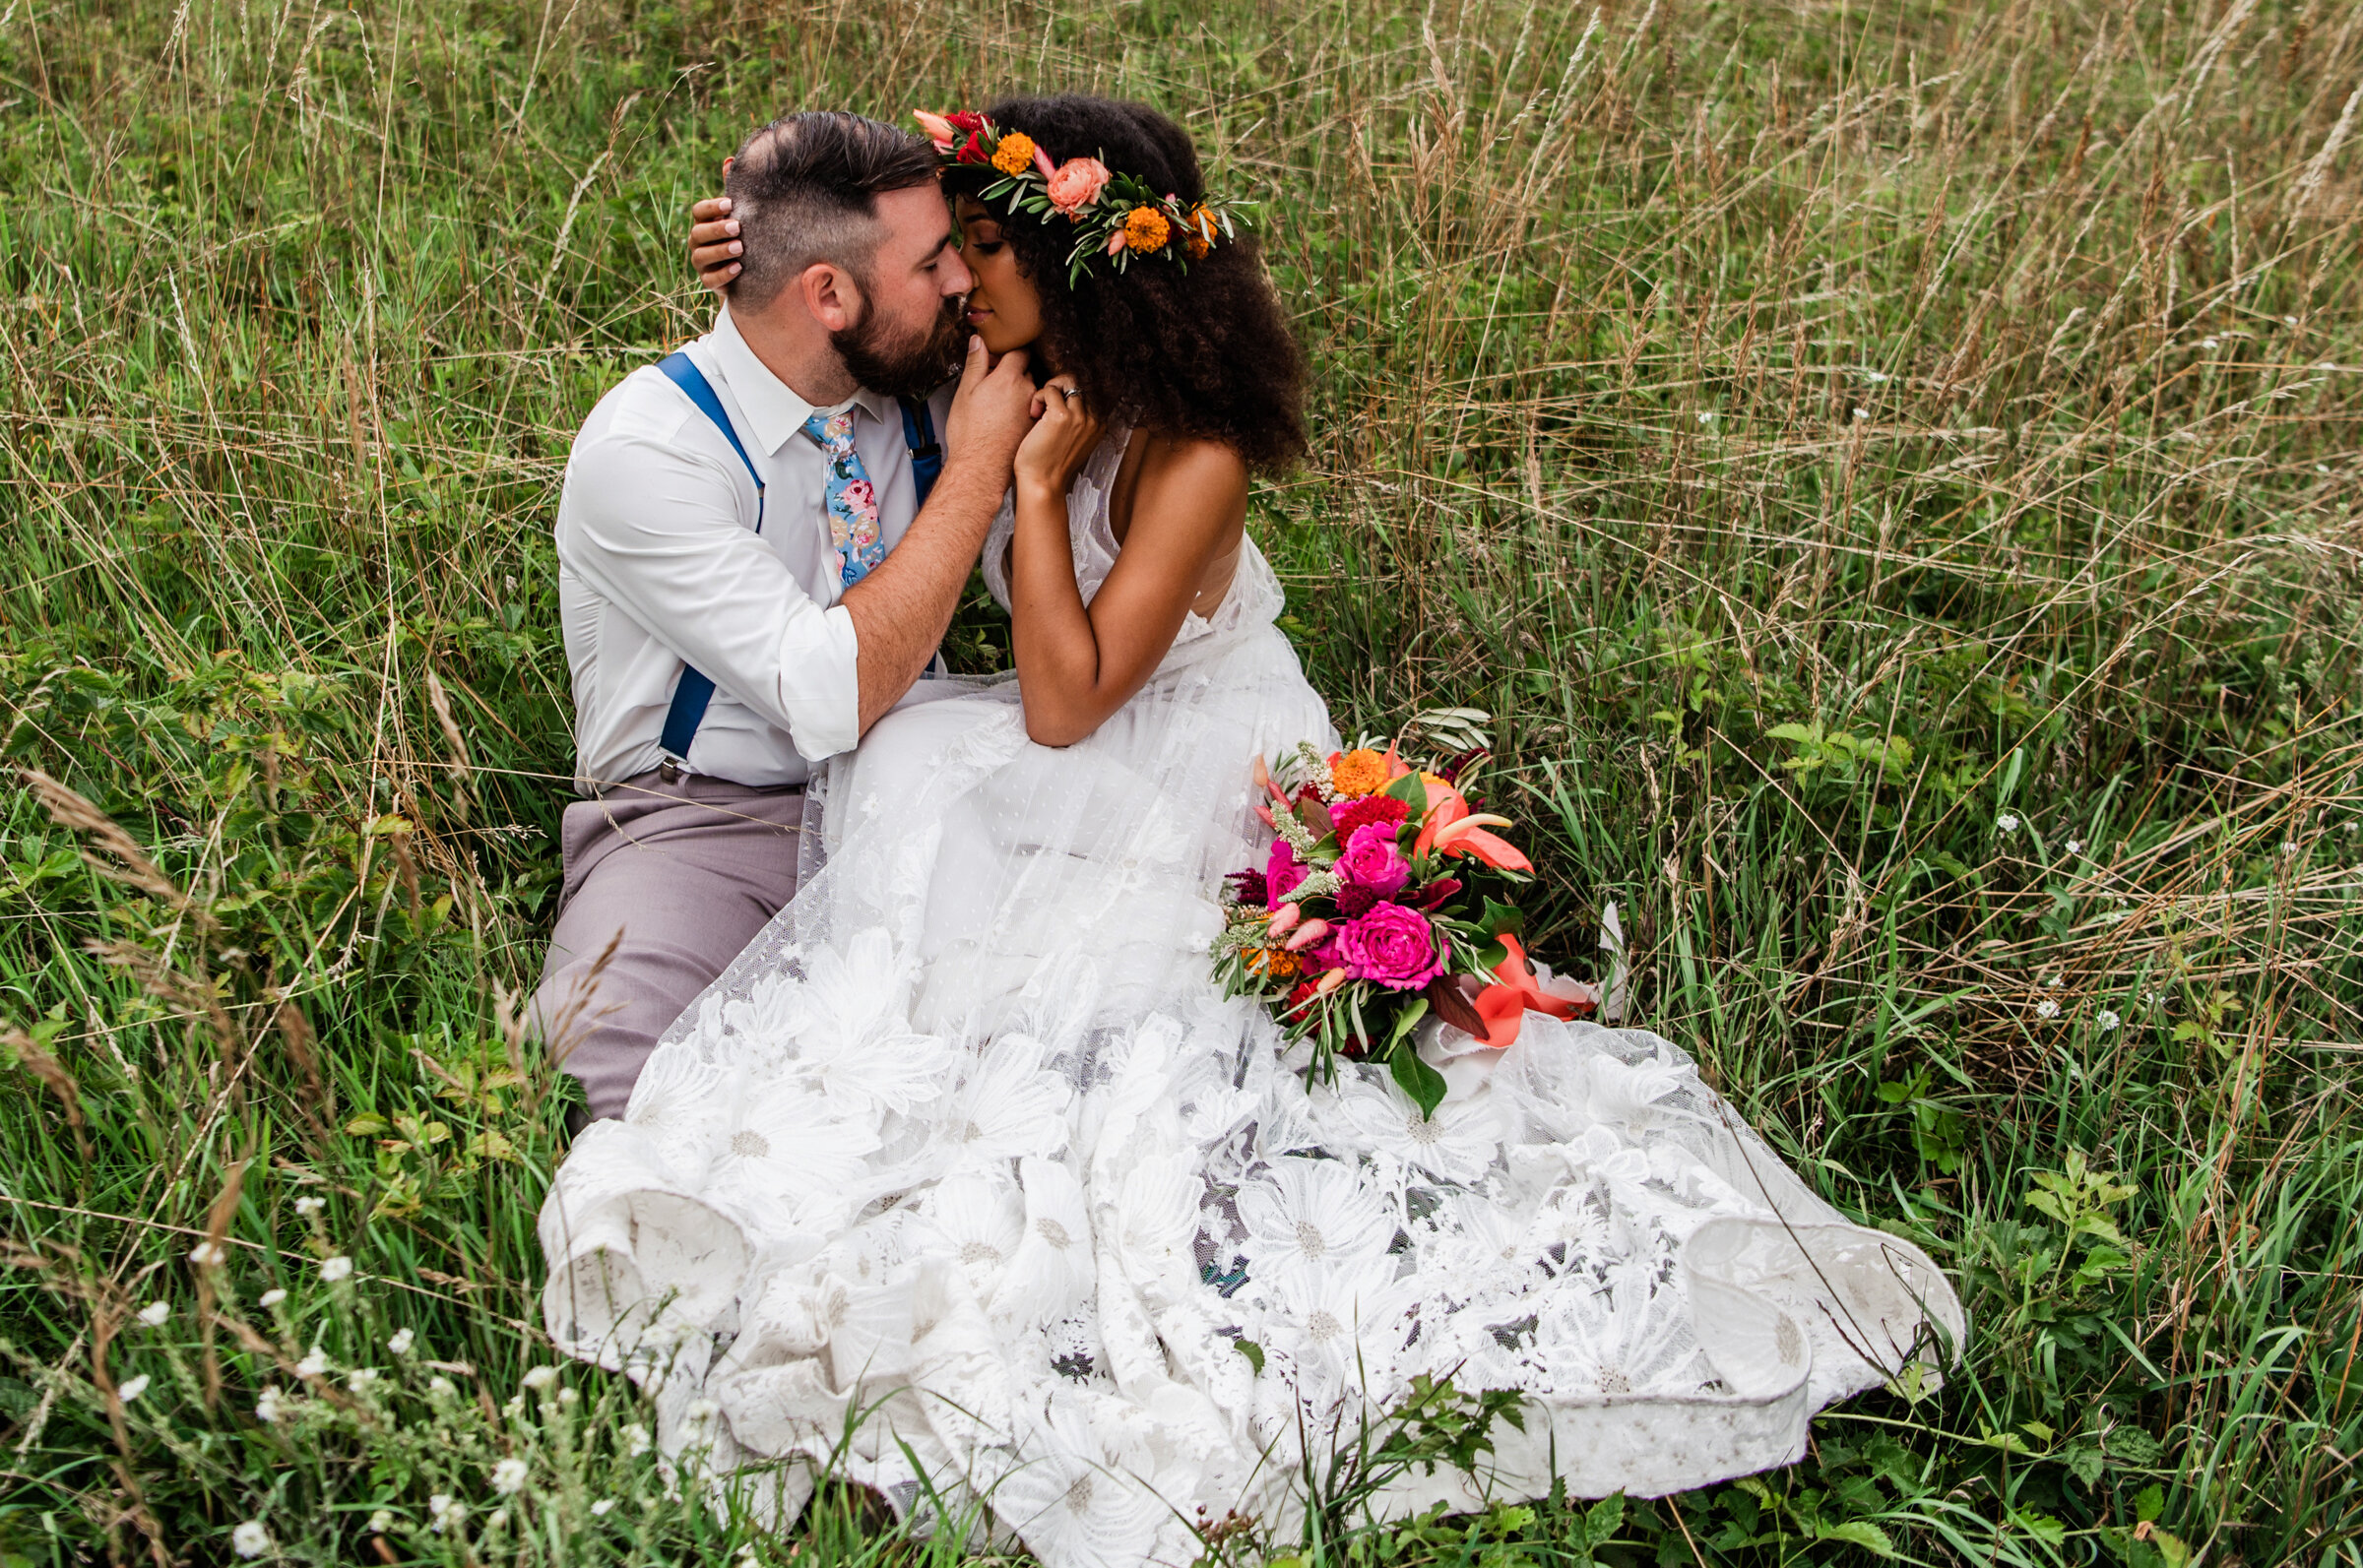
337,1267
310,1206
1707,418
447,1512
635,1439
2107,1020
701,1410
381,1520
269,1404
1862,413
600,1509
361,1378
508,1476
2007,822
273,1296
2210,343
540,1377
2047,1008
2057,980
2289,848
402,1342
250,1540
513,1407
2076,846
315,1363
132,1388
206,1254
567,1398
441,1386
1877,377
155,1313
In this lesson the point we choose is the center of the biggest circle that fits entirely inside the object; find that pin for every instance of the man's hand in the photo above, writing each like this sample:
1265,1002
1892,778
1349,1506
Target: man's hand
991,411
900,611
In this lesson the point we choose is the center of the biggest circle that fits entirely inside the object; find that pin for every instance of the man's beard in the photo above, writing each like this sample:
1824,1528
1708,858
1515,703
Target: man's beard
907,366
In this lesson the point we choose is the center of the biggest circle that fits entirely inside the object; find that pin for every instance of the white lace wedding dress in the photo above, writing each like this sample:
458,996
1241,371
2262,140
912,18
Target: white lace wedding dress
964,1179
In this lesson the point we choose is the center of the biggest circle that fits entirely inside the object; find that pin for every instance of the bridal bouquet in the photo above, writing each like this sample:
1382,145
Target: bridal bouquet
1376,907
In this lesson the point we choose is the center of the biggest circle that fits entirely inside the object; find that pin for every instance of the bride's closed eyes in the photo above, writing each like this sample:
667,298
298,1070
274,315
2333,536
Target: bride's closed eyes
1002,306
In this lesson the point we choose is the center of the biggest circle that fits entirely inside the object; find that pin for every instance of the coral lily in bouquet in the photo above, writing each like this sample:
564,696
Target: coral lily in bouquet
1381,904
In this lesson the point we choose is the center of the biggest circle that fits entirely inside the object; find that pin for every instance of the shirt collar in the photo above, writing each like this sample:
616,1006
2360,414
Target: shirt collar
773,408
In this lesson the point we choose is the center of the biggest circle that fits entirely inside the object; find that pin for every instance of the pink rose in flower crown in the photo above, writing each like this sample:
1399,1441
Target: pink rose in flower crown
1391,945
1075,184
1281,874
1372,860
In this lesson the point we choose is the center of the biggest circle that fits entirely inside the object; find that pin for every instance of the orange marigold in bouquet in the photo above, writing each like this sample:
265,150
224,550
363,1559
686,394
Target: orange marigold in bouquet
1357,772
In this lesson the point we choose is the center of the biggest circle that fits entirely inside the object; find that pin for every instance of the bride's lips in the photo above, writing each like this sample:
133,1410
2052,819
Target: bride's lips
976,313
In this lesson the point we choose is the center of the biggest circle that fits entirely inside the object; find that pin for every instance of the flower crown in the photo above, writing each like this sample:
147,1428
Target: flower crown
1116,216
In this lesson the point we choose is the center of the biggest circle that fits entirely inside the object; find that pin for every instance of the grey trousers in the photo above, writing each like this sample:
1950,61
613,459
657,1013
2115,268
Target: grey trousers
677,878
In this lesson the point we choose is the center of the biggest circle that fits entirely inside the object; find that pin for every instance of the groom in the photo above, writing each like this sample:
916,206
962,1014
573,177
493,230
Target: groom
759,547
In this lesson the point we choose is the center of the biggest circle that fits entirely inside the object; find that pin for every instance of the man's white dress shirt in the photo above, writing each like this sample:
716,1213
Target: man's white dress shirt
658,562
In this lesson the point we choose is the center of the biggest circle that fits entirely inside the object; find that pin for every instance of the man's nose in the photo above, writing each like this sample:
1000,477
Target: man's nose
954,279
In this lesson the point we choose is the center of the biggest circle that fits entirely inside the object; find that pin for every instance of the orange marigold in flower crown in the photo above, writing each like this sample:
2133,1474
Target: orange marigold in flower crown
1198,237
1015,155
1357,772
1145,229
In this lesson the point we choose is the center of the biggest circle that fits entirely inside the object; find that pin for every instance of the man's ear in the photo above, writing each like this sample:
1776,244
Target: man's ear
831,295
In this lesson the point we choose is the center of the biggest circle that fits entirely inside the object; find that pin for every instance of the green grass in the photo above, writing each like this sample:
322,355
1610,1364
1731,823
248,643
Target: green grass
302,304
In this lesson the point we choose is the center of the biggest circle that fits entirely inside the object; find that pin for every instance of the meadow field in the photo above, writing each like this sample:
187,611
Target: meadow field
1891,467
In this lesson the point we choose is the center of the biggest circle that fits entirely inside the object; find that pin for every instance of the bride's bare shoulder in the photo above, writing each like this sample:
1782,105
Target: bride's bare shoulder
1165,463
1199,457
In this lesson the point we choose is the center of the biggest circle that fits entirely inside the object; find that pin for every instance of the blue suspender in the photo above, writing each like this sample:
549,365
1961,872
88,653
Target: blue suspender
919,435
694,690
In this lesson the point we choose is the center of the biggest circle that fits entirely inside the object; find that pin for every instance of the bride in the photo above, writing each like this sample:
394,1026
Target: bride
964,1179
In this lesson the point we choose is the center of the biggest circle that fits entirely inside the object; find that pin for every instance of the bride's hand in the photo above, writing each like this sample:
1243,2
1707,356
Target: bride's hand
1063,436
713,245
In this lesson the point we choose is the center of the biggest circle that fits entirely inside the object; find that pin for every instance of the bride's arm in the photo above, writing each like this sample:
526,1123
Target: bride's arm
1077,665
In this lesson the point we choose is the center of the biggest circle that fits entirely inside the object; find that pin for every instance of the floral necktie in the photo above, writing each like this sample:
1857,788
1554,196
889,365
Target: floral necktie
853,501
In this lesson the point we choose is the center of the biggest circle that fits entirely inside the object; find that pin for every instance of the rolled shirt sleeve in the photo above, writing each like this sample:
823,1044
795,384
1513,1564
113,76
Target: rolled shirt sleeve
659,531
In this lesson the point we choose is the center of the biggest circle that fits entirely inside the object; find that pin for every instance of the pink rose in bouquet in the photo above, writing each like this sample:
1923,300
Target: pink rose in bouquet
1372,860
1281,874
1391,946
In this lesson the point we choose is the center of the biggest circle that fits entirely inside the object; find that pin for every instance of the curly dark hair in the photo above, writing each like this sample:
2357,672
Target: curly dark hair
1204,352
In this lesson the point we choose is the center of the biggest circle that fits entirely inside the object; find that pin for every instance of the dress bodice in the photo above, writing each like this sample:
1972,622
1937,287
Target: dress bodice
1254,598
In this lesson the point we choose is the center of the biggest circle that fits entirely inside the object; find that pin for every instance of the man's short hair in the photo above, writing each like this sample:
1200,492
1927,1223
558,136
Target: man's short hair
804,189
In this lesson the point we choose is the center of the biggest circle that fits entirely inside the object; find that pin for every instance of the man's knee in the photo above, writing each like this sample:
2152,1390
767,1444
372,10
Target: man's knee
588,1031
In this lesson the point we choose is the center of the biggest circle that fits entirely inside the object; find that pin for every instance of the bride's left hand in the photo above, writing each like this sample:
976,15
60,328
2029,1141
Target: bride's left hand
1063,436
